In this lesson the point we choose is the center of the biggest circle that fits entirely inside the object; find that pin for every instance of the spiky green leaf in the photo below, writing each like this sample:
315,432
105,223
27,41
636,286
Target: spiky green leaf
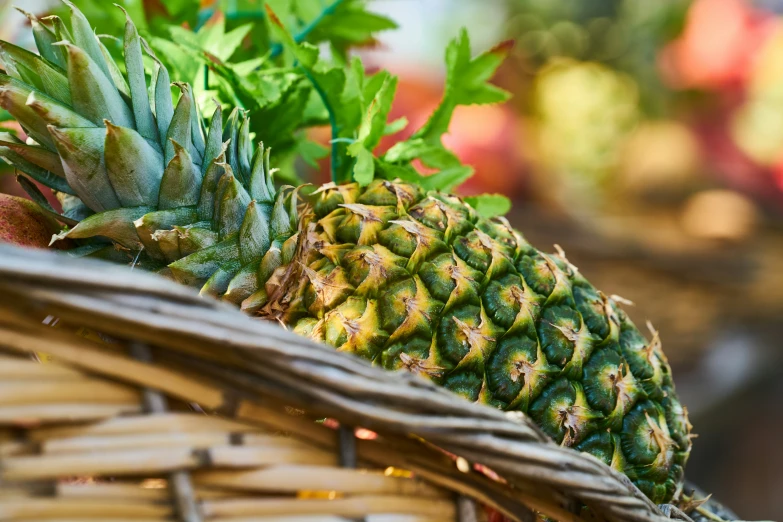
134,166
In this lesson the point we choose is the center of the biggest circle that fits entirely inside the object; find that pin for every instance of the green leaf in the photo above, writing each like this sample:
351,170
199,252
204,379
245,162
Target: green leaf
466,83
307,54
445,180
13,98
40,175
395,126
162,220
134,167
180,128
311,151
81,153
145,123
35,71
94,94
247,67
348,23
116,225
40,156
73,207
364,168
37,196
195,269
84,38
341,98
53,113
164,106
218,282
232,205
230,42
254,234
209,184
490,205
374,123
431,154
44,38
181,182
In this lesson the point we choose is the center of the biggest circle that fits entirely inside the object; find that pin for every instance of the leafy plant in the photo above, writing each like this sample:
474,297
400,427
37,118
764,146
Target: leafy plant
288,67
358,106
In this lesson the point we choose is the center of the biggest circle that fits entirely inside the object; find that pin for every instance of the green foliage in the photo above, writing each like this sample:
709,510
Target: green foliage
467,83
268,63
357,108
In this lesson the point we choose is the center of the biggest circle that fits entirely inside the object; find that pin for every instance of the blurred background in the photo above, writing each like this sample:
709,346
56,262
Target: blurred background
644,137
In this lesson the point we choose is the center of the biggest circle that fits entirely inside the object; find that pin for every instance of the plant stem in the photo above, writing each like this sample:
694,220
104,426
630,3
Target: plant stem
334,161
306,30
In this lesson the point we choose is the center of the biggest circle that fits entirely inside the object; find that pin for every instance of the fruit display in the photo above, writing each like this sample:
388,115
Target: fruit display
382,262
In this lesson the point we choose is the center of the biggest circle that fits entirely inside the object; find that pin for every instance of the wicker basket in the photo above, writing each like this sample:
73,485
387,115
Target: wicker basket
182,408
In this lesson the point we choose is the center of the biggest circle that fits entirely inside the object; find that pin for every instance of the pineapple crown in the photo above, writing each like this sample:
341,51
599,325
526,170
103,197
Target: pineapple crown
130,165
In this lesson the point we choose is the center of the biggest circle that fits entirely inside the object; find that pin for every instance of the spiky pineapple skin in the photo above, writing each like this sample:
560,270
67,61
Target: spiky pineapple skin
418,281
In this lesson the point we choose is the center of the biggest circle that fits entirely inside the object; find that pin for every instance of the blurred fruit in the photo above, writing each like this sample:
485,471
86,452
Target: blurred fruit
719,214
585,111
717,46
757,125
659,156
23,223
489,137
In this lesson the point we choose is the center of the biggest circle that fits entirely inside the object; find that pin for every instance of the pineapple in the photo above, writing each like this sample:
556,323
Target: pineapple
403,276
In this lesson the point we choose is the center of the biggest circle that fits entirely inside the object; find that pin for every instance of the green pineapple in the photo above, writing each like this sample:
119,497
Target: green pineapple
406,277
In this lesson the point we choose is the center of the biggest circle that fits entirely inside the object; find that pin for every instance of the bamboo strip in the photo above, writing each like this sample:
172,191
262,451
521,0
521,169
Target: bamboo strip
357,506
132,491
134,442
64,348
146,424
291,479
22,509
84,391
118,463
16,368
248,457
56,518
10,448
312,518
78,412
158,460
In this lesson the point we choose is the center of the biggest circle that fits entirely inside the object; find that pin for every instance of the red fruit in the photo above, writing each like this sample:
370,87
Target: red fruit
23,223
718,45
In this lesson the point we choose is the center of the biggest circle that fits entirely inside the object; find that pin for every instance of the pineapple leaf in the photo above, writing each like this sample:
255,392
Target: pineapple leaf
39,174
116,224
37,196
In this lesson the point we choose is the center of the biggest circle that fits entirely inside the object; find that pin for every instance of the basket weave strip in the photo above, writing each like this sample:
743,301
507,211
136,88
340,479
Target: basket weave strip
207,353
